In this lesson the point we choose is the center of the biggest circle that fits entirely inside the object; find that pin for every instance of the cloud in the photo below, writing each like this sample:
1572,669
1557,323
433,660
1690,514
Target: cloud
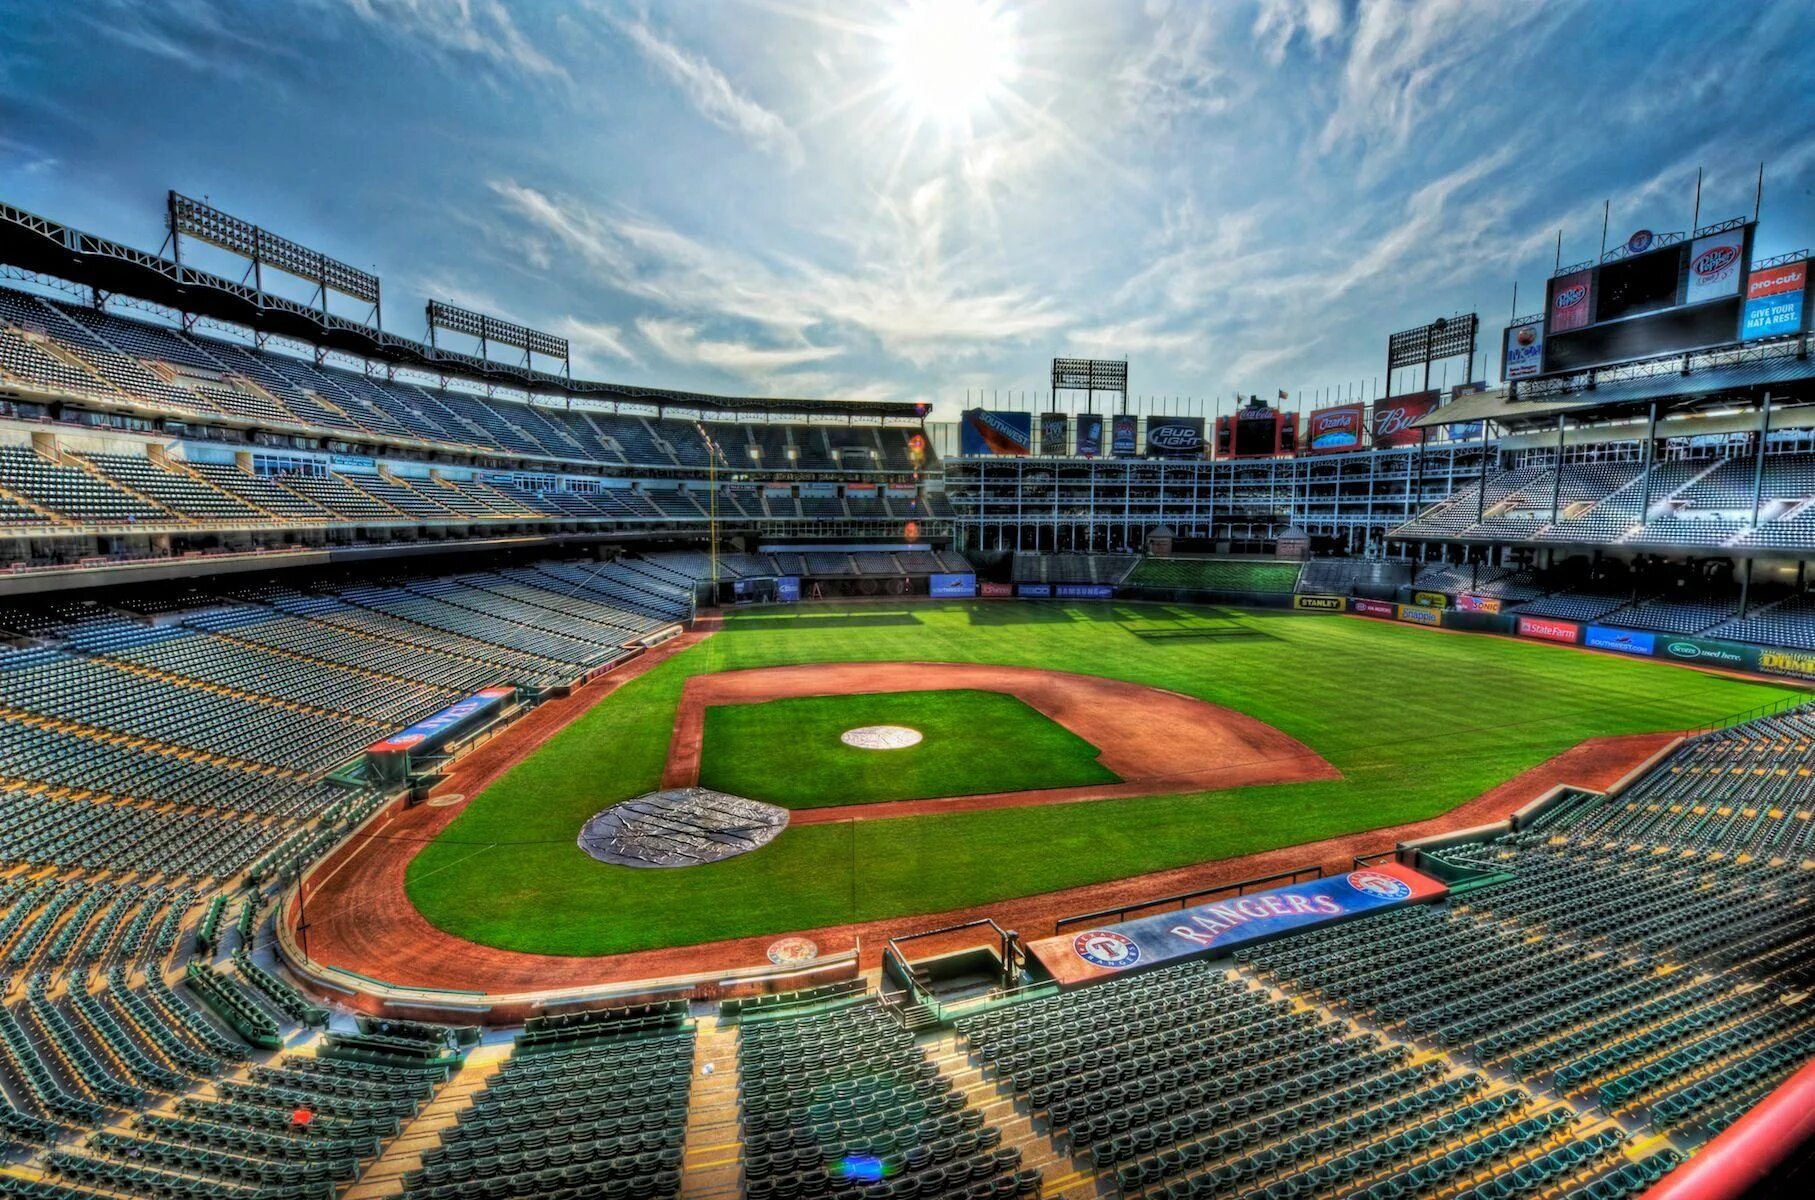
197,35
1408,60
481,30
1280,21
684,343
597,338
897,284
713,95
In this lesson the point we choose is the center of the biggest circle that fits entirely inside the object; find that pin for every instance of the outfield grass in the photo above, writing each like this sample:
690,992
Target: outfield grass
787,752
1416,720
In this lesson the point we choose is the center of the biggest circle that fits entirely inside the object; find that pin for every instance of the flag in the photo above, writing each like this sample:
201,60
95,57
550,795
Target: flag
1282,394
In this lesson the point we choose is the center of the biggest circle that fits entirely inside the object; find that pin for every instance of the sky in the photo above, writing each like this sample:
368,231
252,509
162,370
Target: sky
926,200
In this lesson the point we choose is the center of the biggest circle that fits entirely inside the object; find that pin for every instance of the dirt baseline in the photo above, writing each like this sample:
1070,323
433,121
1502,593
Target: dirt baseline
361,918
1157,741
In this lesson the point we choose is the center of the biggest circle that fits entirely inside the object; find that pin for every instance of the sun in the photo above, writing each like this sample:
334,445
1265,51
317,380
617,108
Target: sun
949,58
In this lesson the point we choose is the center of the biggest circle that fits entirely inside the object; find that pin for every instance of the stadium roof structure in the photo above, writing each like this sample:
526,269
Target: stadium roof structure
1698,380
40,245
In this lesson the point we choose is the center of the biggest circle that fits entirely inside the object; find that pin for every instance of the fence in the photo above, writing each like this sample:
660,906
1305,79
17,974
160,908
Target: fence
1186,899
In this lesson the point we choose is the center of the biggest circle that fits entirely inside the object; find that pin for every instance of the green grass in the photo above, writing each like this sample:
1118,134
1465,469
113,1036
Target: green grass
1215,574
787,752
1416,720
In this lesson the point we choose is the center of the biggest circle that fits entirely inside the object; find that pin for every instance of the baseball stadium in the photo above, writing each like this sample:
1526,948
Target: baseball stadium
429,772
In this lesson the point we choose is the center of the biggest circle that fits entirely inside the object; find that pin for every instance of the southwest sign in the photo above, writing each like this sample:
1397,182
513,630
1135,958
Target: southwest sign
1221,926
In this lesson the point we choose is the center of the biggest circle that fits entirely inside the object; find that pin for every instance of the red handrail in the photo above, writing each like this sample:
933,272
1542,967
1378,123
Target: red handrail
1746,1153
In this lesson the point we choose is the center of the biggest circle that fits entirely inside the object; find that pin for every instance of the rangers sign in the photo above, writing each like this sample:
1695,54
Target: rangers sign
1221,926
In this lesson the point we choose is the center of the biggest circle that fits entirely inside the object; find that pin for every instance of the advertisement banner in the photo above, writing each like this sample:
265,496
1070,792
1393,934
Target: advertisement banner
1123,444
1055,432
1175,437
1372,608
1430,599
1705,653
988,432
1085,591
1320,603
1624,641
951,585
1222,926
1474,603
1034,591
996,591
787,589
1714,265
1799,664
1571,301
1393,418
1417,614
1548,630
437,728
1090,435
1524,353
1774,301
1330,430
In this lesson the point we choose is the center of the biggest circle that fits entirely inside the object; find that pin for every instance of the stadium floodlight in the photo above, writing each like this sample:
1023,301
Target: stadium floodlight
1091,375
263,248
492,332
1446,337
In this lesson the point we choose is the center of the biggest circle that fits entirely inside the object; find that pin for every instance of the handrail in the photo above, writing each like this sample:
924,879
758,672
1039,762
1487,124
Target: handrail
1183,899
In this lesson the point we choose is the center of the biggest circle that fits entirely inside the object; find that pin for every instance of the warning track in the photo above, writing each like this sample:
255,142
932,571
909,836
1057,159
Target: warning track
361,919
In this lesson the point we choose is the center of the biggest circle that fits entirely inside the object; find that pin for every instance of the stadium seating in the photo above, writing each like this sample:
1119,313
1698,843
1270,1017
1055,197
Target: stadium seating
845,1083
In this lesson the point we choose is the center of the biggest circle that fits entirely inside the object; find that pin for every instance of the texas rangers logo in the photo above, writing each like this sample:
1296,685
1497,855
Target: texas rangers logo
1106,948
1379,885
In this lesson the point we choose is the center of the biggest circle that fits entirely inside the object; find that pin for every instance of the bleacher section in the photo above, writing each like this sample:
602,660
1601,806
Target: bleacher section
1073,568
1641,963
162,773
1687,502
1215,574
56,346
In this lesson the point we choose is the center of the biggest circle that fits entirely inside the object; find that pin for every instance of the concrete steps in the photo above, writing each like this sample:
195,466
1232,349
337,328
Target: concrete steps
712,1163
404,1154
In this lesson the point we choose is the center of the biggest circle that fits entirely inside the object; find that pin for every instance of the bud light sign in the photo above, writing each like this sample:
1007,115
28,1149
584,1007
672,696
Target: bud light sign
1222,926
1175,437
1395,418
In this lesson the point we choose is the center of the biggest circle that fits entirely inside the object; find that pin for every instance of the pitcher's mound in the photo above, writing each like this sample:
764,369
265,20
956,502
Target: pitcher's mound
881,737
681,827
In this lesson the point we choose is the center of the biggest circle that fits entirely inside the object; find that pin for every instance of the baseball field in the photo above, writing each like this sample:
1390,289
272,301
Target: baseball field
1369,724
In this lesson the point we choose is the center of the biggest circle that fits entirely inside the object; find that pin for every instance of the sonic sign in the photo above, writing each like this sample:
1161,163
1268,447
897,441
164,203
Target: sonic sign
1221,926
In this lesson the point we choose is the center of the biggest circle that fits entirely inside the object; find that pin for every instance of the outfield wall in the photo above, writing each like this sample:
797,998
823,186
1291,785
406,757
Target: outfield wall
1766,662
